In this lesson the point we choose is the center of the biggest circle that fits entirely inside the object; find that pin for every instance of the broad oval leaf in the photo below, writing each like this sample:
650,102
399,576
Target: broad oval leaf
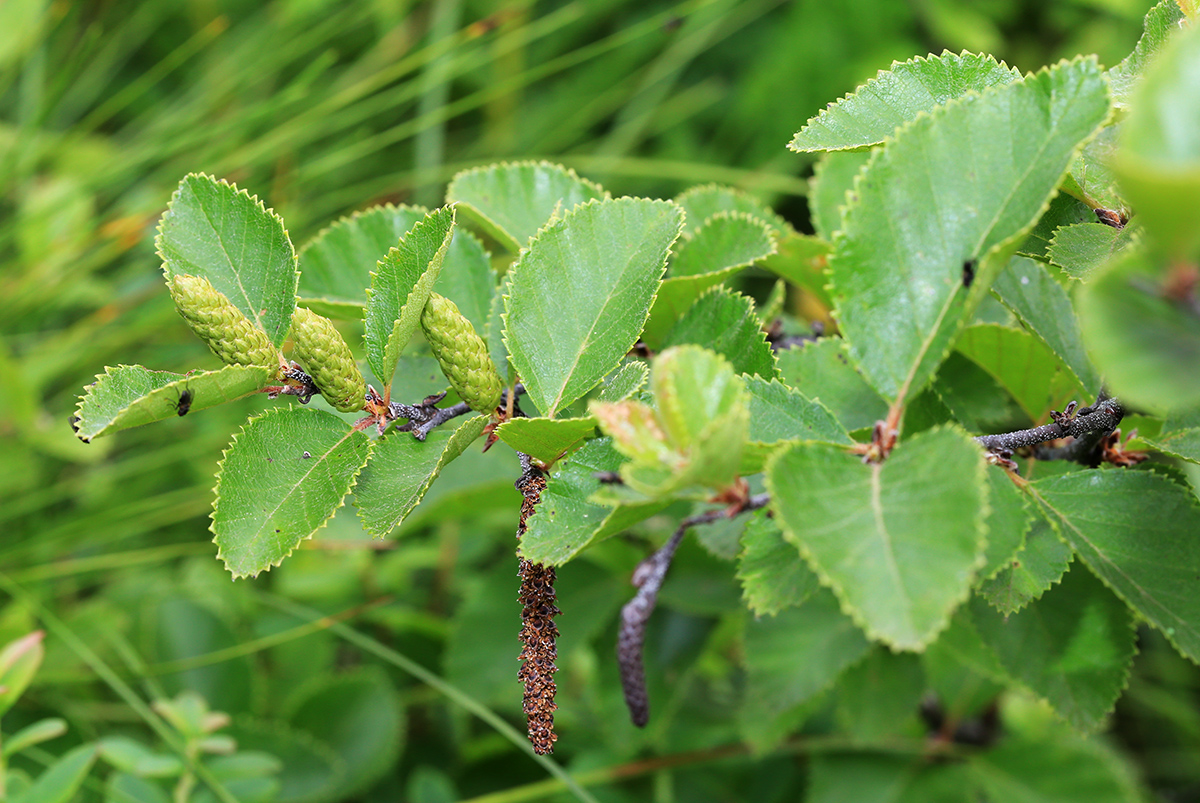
772,575
281,478
400,286
131,395
899,541
725,322
821,372
779,413
727,240
579,295
1041,562
919,242
229,237
875,110
402,469
1139,533
512,201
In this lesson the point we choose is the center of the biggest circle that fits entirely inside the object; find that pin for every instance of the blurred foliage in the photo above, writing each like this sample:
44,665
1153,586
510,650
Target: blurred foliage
331,107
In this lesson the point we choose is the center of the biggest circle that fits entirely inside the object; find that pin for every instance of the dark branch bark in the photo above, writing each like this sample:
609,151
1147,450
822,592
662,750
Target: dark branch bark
1088,426
424,417
648,579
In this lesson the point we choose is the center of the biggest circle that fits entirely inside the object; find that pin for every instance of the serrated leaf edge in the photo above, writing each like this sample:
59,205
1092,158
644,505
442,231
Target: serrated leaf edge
747,378
772,217
217,492
825,580
262,207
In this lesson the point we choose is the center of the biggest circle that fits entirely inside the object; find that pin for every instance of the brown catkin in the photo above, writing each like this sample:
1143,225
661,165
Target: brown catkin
320,348
221,325
539,634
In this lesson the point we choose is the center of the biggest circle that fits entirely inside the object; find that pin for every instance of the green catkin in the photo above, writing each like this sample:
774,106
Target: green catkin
319,347
224,329
462,354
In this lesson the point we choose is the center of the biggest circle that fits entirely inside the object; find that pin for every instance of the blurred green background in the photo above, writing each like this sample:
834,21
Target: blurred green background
322,108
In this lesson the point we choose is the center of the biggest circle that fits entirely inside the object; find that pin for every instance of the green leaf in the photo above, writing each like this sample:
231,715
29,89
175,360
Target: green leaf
1182,443
1081,249
772,575
870,777
1054,770
579,296
876,109
400,287
833,177
359,716
675,296
402,469
707,200
546,439
1091,178
41,731
624,382
1073,647
898,266
1158,163
512,201
178,628
1024,366
1161,22
974,398
880,696
725,322
800,259
1141,339
779,413
1063,211
1042,305
335,264
280,479
134,757
131,395
1137,532
60,782
821,371
19,662
1008,521
899,541
792,657
564,521
124,788
727,240
1039,564
212,229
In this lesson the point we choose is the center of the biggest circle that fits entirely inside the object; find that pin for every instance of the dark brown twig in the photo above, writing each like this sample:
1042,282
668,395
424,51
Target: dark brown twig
425,416
648,579
1088,426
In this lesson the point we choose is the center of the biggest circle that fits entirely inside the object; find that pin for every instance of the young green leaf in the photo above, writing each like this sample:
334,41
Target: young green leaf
725,322
1072,647
280,480
919,243
19,662
131,395
876,109
1081,249
212,229
1138,532
400,287
511,201
772,575
402,469
898,541
1041,304
579,295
